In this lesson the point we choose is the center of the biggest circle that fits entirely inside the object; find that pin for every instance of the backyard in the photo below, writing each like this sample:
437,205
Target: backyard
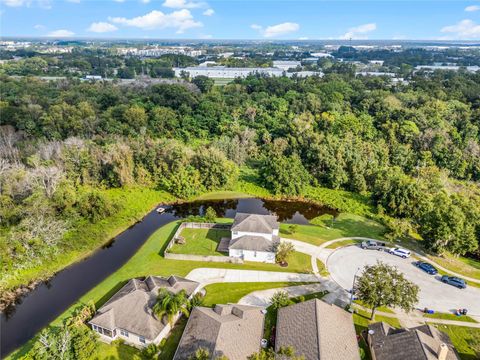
200,242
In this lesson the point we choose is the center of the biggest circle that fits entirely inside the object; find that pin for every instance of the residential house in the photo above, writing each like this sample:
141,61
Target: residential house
234,331
317,331
254,237
419,343
128,314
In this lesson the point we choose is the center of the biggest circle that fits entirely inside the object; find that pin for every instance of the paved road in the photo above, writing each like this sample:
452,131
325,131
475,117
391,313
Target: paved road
343,263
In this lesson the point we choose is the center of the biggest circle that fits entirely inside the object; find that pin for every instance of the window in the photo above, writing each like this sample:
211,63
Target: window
254,254
235,232
107,333
124,332
141,339
94,327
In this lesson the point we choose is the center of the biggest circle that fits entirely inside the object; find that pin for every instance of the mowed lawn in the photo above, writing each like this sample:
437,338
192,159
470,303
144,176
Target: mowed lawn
200,242
466,340
344,225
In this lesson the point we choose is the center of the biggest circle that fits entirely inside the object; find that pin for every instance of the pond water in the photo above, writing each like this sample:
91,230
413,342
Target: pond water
50,299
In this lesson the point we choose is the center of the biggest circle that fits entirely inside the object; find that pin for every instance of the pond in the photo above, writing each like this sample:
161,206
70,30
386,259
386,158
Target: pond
47,301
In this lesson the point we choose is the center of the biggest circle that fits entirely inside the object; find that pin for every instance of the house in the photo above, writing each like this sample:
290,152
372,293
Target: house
419,343
254,237
128,314
234,331
317,331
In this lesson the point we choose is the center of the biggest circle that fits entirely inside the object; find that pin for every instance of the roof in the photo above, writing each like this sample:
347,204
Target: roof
234,331
264,224
253,243
131,307
317,330
418,343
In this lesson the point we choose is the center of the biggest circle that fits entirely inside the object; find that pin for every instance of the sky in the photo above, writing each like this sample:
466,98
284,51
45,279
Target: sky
236,19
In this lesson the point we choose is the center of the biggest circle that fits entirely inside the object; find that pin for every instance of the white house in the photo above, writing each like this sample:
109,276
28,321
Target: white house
128,315
254,237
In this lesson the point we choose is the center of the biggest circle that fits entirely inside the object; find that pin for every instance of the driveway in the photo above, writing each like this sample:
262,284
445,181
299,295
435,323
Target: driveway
343,263
207,276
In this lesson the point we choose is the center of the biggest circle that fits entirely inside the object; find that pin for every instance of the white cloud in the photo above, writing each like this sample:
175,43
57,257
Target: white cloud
359,32
15,3
61,33
276,30
102,27
39,27
183,4
46,4
472,8
303,38
464,29
209,12
180,20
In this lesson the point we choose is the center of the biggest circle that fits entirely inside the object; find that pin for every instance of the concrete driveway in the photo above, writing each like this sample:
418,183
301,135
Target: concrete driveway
344,262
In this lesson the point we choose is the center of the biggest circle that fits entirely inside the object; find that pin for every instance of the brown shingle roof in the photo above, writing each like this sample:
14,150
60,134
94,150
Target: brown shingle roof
131,307
418,343
264,224
317,330
234,331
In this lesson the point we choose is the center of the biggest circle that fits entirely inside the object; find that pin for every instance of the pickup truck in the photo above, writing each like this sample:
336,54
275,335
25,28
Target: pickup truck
373,245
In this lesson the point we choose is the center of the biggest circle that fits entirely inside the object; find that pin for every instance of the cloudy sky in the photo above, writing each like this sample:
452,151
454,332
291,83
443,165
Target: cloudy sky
236,19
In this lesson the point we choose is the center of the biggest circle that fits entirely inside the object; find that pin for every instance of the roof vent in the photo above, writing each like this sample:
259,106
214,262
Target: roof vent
172,280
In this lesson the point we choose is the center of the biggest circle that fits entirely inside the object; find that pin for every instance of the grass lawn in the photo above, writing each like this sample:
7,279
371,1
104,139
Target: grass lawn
200,242
466,266
466,340
447,316
233,292
342,243
149,260
381,308
345,225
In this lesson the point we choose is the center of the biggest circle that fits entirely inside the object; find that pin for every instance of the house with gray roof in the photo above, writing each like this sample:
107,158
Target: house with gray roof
419,343
232,330
128,314
254,237
317,331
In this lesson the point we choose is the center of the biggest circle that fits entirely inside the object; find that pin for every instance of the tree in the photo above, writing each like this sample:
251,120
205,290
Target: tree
284,250
210,214
285,352
170,305
383,285
204,83
280,299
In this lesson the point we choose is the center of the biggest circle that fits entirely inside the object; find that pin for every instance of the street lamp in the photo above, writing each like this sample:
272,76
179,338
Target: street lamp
352,292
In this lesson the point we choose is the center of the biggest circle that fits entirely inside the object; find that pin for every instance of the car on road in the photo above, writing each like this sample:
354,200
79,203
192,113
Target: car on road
400,252
454,281
428,268
372,245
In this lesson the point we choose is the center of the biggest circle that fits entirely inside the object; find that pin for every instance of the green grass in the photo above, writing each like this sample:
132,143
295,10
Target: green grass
466,340
447,316
381,308
171,343
200,242
465,266
149,260
343,243
233,292
361,320
116,351
344,226
221,195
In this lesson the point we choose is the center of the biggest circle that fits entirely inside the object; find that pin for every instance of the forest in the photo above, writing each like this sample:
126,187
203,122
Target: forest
412,150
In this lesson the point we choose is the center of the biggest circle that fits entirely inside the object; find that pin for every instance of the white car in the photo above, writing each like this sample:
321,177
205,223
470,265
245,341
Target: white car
400,252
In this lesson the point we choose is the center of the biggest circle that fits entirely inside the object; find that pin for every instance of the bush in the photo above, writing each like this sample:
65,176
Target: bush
95,206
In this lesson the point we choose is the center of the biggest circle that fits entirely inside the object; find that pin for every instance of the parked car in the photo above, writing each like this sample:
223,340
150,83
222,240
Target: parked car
428,268
373,245
400,252
454,281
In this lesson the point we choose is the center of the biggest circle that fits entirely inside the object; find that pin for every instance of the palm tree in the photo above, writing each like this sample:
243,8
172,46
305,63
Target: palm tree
169,304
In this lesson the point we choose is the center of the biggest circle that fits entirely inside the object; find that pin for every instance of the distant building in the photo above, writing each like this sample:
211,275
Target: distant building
93,77
128,315
376,62
254,237
286,65
447,67
375,73
234,331
320,54
419,343
223,72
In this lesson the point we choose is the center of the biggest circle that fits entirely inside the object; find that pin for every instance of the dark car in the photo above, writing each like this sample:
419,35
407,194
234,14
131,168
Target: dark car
454,281
428,268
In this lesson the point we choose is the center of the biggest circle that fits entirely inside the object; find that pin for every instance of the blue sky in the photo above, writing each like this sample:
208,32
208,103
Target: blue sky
235,19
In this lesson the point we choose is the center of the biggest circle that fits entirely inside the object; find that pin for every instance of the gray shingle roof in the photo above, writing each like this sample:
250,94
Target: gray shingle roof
317,330
254,243
131,307
234,331
264,224
418,343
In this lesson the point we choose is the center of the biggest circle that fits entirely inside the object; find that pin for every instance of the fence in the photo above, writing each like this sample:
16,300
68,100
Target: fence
207,258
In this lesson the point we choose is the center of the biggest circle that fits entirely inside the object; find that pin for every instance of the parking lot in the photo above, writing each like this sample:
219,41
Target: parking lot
344,262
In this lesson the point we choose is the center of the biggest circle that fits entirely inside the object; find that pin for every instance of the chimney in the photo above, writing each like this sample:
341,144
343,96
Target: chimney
442,351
